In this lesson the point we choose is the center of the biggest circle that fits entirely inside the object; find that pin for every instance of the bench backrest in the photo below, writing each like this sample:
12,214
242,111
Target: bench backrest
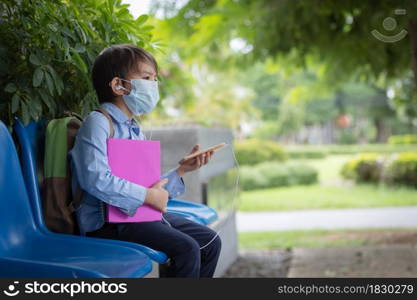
31,139
16,217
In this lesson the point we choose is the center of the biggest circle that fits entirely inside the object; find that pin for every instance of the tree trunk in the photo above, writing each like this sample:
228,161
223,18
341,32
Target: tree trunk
412,28
383,131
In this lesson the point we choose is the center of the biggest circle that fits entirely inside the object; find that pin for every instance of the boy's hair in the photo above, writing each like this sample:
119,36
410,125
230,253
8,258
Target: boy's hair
117,61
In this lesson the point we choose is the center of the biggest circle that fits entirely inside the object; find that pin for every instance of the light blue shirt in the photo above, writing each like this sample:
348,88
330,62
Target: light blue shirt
92,174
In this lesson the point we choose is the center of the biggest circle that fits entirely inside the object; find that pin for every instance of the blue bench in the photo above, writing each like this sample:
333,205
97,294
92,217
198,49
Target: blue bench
31,140
27,251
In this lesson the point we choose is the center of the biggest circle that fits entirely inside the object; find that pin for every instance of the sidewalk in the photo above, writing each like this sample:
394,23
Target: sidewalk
363,261
378,217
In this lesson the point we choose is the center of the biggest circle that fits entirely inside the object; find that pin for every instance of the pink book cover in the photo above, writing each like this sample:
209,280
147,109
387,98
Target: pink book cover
139,162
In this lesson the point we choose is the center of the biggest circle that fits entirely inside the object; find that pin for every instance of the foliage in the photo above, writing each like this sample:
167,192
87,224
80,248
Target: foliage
402,139
46,59
365,167
398,169
302,31
253,151
350,149
402,170
274,174
300,153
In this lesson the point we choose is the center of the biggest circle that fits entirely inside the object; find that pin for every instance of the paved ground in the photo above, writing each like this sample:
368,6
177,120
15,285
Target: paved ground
260,264
383,217
363,261
390,254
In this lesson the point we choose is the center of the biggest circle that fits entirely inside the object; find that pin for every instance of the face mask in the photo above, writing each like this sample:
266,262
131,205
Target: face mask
143,97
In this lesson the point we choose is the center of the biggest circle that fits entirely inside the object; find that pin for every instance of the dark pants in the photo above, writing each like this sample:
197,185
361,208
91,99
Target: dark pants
181,242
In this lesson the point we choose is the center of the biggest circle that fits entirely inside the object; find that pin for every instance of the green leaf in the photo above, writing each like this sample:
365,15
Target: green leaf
15,103
10,88
79,62
25,114
79,48
142,19
45,98
34,59
147,28
37,77
35,108
57,79
49,83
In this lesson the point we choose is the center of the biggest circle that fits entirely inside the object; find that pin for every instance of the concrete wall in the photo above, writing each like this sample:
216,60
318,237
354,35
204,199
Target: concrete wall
176,142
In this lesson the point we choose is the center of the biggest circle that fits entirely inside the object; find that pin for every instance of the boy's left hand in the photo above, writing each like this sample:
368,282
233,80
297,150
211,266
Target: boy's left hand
194,163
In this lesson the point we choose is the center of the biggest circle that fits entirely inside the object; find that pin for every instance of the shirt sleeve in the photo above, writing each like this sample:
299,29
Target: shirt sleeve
175,185
89,157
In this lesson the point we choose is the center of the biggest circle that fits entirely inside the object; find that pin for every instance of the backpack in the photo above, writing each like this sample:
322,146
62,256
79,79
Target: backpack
58,200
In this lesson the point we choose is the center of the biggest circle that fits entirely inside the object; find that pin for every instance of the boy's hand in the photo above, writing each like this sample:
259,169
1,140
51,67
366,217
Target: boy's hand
157,196
194,163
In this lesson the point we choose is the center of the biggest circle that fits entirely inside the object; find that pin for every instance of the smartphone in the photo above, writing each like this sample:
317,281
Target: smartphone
213,148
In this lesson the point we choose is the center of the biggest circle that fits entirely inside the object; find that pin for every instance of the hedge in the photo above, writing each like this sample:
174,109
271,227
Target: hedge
254,151
274,174
394,169
406,139
365,167
310,151
402,170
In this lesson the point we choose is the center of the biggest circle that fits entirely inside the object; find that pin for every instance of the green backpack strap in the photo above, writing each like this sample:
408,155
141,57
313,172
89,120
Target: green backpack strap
56,147
58,201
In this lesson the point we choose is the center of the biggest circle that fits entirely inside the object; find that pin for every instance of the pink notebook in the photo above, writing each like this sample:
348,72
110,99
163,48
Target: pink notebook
139,162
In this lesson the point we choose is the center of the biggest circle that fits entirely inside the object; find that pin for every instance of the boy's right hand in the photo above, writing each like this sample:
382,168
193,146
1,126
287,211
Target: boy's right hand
157,196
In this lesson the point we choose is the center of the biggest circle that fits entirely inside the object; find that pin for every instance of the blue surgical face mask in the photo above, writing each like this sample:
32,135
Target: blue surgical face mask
143,96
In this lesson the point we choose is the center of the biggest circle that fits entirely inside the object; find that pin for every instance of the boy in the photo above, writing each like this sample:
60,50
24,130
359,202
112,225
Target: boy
124,77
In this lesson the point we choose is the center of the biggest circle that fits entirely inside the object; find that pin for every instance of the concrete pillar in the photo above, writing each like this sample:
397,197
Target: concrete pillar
206,184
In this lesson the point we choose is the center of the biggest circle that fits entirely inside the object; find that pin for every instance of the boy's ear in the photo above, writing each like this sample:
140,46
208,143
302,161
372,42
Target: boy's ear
115,85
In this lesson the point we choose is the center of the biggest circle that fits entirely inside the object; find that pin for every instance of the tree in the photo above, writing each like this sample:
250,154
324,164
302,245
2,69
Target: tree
48,49
338,33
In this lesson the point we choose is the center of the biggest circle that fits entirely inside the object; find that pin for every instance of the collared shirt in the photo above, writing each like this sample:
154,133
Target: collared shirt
91,172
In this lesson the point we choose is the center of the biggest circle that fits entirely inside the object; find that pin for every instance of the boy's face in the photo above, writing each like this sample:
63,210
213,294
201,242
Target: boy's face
147,71
144,71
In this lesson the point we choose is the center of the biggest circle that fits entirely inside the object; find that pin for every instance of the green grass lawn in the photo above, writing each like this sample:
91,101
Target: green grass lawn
323,238
325,197
328,167
328,194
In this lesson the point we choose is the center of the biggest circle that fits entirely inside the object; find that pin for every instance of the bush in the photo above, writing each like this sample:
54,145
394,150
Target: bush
369,148
402,170
46,59
251,178
365,167
253,151
269,175
276,174
308,153
303,174
402,139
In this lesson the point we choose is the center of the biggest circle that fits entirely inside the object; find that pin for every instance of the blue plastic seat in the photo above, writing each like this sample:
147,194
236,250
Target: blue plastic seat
30,139
193,211
25,251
